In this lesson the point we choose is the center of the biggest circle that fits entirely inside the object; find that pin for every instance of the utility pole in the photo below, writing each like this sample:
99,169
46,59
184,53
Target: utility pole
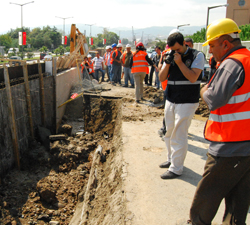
64,18
21,17
90,25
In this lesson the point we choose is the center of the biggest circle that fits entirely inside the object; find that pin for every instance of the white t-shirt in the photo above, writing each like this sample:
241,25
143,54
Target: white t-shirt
98,62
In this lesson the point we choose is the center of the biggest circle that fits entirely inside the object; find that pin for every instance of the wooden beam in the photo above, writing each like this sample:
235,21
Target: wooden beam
54,72
12,117
41,85
28,98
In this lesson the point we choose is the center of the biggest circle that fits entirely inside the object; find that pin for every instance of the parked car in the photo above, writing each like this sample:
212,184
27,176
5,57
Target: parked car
16,57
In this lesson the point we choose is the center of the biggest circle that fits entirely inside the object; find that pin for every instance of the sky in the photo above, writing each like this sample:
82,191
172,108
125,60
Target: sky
109,13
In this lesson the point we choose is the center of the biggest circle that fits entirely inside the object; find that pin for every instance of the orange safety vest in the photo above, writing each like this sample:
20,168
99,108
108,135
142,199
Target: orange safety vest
140,63
91,66
106,57
231,122
111,58
124,56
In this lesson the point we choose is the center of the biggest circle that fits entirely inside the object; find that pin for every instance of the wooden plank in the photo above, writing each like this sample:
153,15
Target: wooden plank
12,117
54,72
41,85
28,99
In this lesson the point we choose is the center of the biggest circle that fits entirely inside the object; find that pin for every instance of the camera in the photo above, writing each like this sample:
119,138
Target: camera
169,57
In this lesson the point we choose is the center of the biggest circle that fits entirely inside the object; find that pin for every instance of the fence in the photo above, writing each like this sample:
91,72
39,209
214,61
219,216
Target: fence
24,107
205,49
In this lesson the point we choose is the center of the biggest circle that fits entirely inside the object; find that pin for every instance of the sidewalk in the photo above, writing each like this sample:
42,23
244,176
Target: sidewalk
151,200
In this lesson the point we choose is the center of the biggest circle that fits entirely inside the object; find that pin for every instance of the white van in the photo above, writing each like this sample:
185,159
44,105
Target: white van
11,50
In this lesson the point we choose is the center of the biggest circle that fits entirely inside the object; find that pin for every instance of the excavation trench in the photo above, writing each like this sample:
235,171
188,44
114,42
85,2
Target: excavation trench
71,183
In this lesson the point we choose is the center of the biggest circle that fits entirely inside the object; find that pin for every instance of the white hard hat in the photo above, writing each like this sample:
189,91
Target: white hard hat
89,56
174,31
128,46
119,45
107,47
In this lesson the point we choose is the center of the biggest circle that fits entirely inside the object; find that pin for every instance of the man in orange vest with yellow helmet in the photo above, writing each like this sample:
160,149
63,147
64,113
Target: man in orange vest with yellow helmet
227,169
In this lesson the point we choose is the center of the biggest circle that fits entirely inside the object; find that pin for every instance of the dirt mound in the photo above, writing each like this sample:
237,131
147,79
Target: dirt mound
53,182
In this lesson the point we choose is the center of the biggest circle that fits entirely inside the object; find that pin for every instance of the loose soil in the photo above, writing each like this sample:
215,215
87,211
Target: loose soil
51,184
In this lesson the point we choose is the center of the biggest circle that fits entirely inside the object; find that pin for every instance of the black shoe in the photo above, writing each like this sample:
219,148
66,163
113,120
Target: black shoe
169,175
137,101
165,164
132,86
125,85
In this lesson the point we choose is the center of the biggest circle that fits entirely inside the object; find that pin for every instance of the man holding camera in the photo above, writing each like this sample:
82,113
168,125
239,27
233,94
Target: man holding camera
183,68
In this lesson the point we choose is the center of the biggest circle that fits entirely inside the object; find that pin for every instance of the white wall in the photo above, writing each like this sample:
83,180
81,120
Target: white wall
64,82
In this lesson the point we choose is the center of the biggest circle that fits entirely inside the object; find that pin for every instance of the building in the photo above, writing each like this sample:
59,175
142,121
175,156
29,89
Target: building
239,11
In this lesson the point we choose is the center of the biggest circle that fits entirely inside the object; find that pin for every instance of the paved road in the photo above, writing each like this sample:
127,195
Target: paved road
151,200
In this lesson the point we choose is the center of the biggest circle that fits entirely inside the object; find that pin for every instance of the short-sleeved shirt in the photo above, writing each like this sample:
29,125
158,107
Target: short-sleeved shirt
97,63
117,57
227,79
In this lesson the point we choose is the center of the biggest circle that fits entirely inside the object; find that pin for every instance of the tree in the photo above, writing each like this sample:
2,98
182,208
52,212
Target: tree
199,36
160,44
43,49
5,40
125,41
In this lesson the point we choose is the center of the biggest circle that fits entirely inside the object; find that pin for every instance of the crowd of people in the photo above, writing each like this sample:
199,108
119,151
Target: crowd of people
178,70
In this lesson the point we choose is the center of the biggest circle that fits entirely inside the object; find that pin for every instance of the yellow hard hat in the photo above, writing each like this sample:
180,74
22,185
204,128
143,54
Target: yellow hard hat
220,27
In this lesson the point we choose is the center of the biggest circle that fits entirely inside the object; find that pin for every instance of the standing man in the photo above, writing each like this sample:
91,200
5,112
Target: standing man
117,64
91,66
125,58
111,62
183,67
156,60
189,42
98,66
107,58
227,169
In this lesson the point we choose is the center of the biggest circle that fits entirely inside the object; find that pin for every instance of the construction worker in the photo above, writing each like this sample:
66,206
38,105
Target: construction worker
125,59
111,62
98,66
139,67
83,65
91,66
107,58
183,68
227,169
117,64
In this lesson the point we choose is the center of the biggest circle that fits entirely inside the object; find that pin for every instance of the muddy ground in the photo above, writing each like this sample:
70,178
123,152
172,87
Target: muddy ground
52,182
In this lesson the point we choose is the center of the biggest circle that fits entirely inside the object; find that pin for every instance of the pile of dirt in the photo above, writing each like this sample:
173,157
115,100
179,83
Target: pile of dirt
52,183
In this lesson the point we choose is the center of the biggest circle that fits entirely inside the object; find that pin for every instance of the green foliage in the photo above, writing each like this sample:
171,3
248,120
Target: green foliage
67,49
30,55
245,32
199,36
60,50
160,44
43,49
5,40
125,41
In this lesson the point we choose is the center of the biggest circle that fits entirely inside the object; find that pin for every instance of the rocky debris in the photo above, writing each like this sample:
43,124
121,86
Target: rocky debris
65,129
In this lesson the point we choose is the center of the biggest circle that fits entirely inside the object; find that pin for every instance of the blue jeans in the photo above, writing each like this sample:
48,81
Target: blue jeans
128,76
97,74
109,72
158,83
